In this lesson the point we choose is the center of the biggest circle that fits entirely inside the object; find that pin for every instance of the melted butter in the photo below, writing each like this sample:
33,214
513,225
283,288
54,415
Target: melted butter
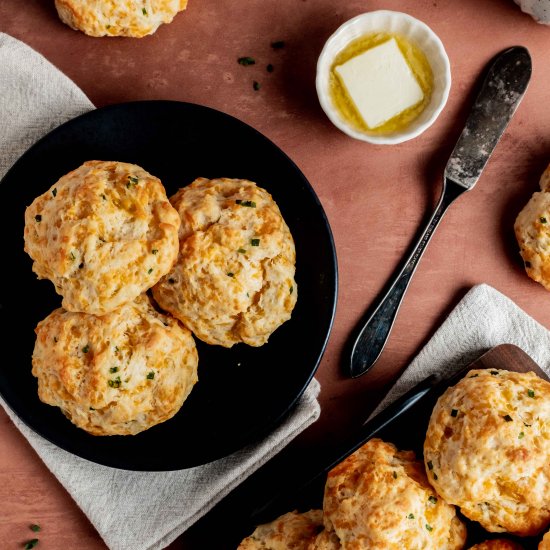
415,59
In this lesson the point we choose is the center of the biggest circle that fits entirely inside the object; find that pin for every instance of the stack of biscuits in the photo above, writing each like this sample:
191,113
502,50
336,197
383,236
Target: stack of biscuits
218,257
486,451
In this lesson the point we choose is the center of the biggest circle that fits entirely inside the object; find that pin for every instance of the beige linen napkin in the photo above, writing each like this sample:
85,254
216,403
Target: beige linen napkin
484,318
130,510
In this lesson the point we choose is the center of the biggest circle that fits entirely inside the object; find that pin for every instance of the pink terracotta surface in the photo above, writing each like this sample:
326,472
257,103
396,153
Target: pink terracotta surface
376,197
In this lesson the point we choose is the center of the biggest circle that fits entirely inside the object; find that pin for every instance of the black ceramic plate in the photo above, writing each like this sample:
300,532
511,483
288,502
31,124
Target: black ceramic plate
243,392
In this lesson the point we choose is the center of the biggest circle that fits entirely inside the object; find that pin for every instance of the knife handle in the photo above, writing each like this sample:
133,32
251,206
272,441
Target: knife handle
373,331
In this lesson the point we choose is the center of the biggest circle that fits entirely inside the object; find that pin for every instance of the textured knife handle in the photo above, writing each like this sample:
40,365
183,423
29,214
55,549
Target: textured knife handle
375,329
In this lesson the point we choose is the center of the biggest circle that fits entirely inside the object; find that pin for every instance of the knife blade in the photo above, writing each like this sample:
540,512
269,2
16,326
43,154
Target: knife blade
497,101
495,105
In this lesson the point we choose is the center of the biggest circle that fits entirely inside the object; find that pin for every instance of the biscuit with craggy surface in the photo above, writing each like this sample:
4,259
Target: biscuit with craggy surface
134,18
379,499
545,542
290,531
103,234
234,278
487,450
532,229
117,374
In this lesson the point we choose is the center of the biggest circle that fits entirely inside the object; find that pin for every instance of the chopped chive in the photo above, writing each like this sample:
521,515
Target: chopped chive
154,251
278,44
410,516
116,349
255,242
521,435
150,375
394,475
527,264
249,204
245,61
72,256
80,265
473,376
508,418
494,372
113,369
35,527
230,274
241,250
54,191
132,180
542,219
115,383
429,527
430,465
531,393
435,476
256,85
144,11
31,544
38,218
92,409
270,68
150,270
291,289
432,499
55,339
103,196
454,413
86,348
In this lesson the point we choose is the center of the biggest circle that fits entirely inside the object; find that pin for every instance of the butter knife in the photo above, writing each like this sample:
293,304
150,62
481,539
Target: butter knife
497,101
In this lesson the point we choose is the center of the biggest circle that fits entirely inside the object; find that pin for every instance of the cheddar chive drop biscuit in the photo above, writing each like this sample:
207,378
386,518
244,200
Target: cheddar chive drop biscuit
532,229
103,234
379,499
290,531
234,278
487,450
135,18
117,374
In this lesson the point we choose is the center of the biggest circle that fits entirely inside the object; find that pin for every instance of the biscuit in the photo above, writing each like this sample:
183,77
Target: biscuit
497,544
234,278
117,374
103,234
487,450
325,540
379,498
290,531
545,542
135,18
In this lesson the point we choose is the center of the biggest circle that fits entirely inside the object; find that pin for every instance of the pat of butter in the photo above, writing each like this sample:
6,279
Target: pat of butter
380,83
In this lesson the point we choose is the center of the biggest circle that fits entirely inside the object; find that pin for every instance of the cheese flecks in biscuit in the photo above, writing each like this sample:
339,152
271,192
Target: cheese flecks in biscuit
532,229
545,542
117,374
103,234
290,531
497,544
379,498
234,278
135,18
487,450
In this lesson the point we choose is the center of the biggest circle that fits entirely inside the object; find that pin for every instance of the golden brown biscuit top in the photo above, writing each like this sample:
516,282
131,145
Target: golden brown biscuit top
119,373
379,498
487,449
234,278
103,234
135,18
292,531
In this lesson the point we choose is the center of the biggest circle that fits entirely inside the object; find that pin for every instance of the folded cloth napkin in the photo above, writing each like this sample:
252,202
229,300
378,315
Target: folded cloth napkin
130,510
484,318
